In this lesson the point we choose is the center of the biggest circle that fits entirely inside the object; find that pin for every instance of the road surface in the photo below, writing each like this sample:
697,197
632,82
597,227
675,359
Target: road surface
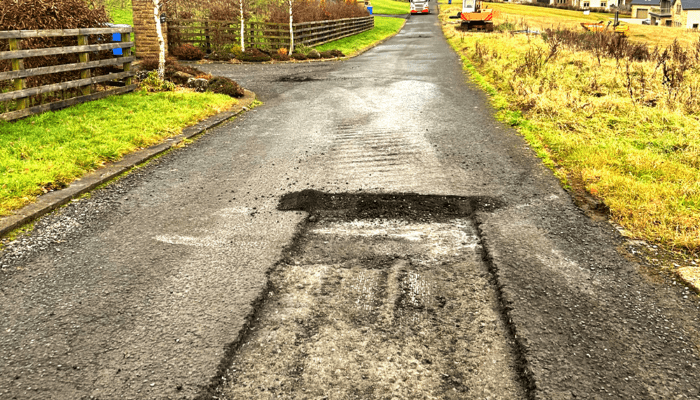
371,231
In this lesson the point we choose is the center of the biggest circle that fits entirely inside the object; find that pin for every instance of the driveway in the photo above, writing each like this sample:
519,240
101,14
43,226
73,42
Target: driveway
387,171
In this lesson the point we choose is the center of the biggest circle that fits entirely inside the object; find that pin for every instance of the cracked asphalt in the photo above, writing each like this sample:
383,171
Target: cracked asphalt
145,289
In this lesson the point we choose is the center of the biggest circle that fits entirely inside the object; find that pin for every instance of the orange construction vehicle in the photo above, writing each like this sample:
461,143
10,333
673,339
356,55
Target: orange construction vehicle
474,17
618,29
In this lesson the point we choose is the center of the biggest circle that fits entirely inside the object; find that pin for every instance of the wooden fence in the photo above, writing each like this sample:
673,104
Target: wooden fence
215,35
21,96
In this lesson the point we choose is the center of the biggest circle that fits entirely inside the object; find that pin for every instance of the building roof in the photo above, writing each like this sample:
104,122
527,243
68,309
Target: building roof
690,4
645,3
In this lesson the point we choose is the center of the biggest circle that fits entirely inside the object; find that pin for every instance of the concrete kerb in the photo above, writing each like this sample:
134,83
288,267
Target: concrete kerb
51,201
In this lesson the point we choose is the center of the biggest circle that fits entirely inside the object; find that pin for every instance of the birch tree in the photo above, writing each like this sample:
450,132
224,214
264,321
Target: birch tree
291,29
157,5
240,4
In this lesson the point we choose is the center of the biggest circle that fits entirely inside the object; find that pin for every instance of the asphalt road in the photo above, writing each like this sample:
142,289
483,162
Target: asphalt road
143,290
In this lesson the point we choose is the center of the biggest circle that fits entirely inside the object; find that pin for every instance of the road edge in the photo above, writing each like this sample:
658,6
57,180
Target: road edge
51,201
375,44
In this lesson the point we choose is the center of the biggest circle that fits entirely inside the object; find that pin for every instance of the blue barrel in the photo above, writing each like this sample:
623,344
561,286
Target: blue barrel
449,1
117,37
370,10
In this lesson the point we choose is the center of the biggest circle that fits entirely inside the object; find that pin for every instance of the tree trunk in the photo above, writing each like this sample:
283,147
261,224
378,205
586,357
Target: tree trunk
242,27
291,29
161,42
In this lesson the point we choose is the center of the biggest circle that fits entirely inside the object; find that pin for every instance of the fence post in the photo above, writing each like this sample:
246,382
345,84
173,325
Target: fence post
84,57
206,36
126,51
18,64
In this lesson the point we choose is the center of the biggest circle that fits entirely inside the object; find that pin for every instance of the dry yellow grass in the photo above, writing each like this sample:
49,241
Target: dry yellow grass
616,125
543,18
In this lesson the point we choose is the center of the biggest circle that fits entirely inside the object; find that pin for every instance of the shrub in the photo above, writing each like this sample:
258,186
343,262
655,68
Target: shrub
219,56
151,63
280,57
600,43
303,49
154,84
312,10
267,11
332,54
299,56
313,54
225,86
283,51
171,67
253,55
187,52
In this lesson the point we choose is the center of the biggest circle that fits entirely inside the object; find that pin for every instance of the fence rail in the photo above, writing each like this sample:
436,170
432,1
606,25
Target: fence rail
21,95
212,35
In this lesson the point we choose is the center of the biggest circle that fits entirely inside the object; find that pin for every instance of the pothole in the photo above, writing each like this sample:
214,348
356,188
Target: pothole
298,78
382,296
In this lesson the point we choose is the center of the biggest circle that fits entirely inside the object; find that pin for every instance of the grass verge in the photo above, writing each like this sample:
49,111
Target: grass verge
351,45
48,151
390,7
615,126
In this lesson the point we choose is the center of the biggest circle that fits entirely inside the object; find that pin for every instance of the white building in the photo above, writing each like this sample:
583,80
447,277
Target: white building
607,4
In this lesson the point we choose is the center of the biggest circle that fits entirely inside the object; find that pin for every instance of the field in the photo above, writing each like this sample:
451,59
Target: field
383,28
390,7
48,151
542,18
623,126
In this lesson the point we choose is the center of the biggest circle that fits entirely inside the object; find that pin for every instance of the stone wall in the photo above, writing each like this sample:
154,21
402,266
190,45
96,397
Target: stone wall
145,29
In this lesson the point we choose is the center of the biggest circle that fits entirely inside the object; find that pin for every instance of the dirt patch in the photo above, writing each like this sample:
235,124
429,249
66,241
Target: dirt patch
383,296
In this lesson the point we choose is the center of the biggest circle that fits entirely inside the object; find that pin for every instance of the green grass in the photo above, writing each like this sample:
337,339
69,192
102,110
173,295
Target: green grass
51,150
383,28
390,7
122,16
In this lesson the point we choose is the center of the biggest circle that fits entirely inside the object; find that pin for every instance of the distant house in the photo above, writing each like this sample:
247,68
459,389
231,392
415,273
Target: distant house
686,13
641,8
678,13
607,4
661,15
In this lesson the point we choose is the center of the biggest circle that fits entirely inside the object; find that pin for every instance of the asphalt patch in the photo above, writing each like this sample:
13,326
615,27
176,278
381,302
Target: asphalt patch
379,296
404,206
297,79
